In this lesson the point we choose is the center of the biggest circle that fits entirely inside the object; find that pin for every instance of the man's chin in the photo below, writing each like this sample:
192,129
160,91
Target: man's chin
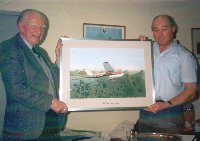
35,42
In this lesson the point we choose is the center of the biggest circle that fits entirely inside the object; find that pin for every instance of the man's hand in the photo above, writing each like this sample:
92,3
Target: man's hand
59,106
59,45
158,106
57,51
142,38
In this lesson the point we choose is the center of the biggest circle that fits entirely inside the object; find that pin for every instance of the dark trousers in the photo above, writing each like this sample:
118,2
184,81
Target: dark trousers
166,121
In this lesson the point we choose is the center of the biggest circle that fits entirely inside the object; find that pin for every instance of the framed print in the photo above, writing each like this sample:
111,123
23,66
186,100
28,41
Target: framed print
102,31
106,74
196,41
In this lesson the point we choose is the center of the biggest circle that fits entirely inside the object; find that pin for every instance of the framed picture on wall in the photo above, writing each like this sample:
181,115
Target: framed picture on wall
106,74
196,41
102,31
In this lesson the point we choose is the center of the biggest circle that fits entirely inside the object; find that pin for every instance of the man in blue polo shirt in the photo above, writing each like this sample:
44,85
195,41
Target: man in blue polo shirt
175,74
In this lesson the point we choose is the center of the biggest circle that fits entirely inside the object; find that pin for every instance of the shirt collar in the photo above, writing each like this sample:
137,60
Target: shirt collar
174,43
26,42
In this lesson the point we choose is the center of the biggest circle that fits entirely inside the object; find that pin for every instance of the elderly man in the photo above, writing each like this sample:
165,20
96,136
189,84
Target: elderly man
31,80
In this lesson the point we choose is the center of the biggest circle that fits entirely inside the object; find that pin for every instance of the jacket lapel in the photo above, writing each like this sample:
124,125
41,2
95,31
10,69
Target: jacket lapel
31,58
48,62
28,53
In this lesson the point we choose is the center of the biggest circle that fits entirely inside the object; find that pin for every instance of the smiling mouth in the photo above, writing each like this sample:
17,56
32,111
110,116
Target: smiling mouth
161,39
38,37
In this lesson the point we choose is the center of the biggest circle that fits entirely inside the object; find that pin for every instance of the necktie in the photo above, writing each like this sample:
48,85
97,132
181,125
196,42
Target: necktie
36,52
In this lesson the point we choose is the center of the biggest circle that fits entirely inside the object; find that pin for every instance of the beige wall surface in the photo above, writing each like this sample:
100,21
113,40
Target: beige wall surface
67,17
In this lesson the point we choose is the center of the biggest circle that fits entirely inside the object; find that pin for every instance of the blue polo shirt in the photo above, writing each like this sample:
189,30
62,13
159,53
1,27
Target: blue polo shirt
172,68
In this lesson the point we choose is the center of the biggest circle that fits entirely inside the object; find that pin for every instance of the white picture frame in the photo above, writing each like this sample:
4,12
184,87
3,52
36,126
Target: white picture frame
129,86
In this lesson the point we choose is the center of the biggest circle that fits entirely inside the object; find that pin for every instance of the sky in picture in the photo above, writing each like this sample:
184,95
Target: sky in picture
119,58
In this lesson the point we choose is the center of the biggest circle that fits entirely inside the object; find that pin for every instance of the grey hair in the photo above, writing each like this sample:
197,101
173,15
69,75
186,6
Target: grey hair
170,20
25,12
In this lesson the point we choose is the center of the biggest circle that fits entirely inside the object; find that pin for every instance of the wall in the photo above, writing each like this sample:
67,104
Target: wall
67,18
6,21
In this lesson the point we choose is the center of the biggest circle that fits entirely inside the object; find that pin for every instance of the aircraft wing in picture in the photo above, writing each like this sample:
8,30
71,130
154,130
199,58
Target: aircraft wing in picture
109,72
89,74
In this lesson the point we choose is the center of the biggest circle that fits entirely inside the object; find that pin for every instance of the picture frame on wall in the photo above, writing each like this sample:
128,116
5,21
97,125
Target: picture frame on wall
195,32
103,31
106,74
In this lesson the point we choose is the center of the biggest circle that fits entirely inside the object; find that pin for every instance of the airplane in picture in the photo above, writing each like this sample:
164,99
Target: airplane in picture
110,72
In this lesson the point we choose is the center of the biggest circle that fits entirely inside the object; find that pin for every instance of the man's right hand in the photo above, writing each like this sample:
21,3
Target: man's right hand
59,106
142,38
